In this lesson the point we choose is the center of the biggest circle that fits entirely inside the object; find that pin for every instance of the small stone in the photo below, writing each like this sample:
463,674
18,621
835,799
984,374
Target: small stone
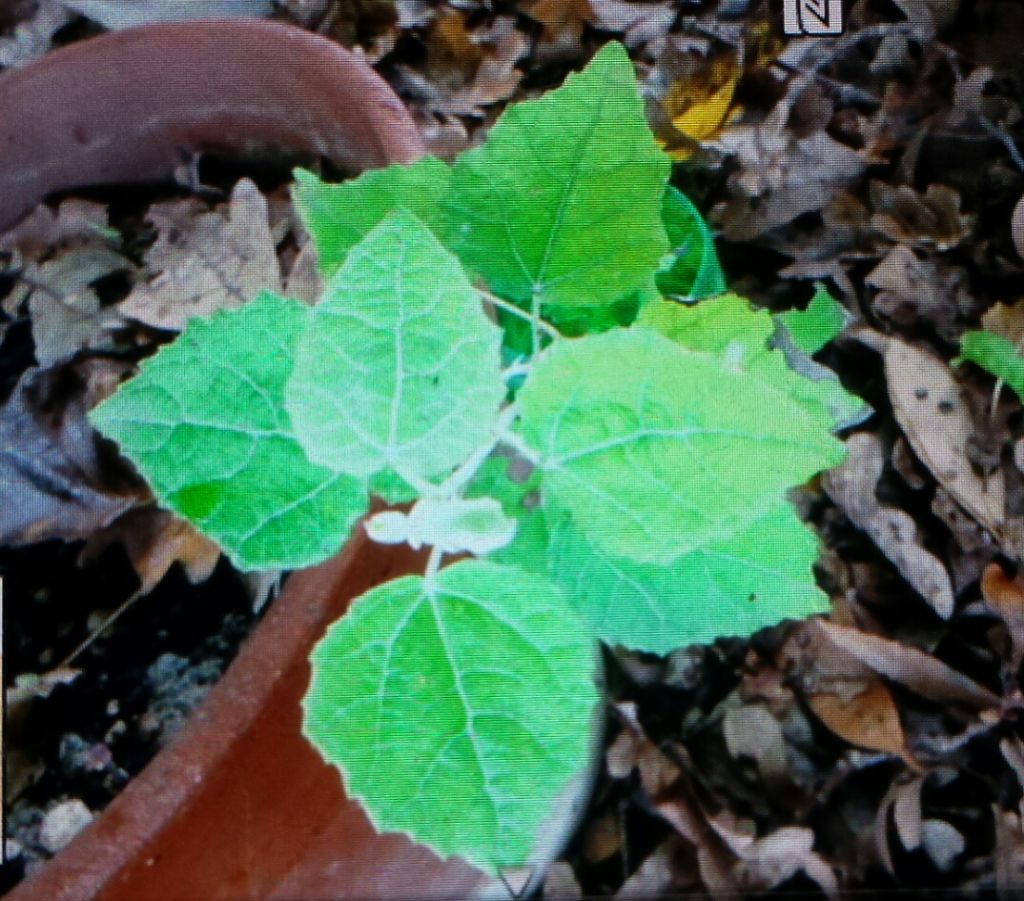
62,823
119,728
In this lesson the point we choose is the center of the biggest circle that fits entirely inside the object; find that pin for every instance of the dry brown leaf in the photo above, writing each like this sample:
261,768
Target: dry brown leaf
632,749
752,731
932,218
207,261
914,669
781,176
667,871
913,291
926,402
716,856
33,37
852,487
304,281
971,548
868,719
466,73
641,24
1005,596
777,857
903,799
56,479
602,837
1006,320
66,313
43,229
155,540
563,22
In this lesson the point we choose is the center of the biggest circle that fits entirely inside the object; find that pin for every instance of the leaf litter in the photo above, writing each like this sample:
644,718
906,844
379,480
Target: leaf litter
882,162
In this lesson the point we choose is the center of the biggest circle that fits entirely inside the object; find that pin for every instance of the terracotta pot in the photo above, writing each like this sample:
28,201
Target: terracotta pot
240,805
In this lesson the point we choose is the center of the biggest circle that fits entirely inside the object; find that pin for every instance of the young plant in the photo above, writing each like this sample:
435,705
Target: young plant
493,348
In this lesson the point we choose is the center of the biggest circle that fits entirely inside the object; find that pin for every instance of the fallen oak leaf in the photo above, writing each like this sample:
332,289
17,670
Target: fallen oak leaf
780,176
868,719
916,289
206,262
775,858
852,486
927,405
154,540
903,800
66,312
1005,596
56,478
932,218
914,669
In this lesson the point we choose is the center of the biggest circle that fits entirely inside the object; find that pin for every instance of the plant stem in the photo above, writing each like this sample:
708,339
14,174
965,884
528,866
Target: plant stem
514,441
510,307
458,480
433,565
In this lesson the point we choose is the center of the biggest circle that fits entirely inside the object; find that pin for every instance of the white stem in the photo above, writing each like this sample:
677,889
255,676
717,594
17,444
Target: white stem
433,565
509,307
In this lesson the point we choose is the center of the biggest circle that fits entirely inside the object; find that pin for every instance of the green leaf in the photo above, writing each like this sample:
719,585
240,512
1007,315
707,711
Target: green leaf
995,354
339,216
457,712
392,488
399,367
204,421
563,202
713,326
732,586
811,329
695,271
656,451
729,327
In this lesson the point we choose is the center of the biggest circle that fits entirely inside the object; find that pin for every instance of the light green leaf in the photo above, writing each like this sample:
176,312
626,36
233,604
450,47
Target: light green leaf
732,586
729,327
695,271
520,499
713,325
996,355
457,713
656,451
339,216
811,329
455,525
399,367
563,202
204,421
392,488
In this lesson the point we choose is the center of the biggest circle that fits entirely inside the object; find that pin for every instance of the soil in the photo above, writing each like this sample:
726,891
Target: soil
136,683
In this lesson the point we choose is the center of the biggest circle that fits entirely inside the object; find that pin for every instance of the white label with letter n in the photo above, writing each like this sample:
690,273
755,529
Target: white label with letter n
813,17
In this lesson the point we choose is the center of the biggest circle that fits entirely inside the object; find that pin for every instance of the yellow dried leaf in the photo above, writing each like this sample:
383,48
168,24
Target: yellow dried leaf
700,108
